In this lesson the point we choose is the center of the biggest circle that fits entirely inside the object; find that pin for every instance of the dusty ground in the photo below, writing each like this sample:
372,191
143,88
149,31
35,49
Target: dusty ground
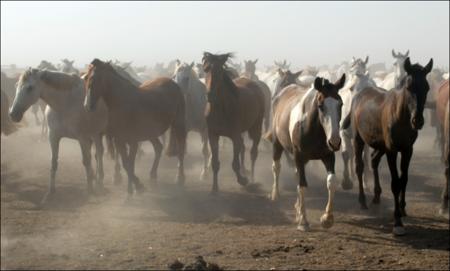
237,229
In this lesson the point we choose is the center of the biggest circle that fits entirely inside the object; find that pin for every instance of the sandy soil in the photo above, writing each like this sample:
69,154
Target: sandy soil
237,229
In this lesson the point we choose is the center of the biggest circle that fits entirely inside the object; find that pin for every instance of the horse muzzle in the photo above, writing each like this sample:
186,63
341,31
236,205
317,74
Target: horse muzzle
15,116
335,144
417,123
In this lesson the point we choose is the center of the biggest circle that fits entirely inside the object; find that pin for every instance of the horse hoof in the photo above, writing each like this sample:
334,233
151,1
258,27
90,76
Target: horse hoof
403,212
327,221
376,200
303,227
347,185
399,231
117,179
274,196
364,206
242,181
139,188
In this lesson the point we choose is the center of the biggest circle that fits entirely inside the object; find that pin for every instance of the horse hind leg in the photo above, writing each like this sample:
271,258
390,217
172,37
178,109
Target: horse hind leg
358,144
215,163
444,206
237,149
276,169
347,150
255,135
132,159
157,147
376,157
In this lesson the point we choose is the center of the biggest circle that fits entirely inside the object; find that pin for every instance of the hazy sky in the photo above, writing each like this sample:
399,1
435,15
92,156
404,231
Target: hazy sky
147,32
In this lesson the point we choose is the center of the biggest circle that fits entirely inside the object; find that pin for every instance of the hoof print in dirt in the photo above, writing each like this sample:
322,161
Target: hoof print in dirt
197,265
267,253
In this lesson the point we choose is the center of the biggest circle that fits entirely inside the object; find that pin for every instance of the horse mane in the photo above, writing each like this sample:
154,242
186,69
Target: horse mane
59,80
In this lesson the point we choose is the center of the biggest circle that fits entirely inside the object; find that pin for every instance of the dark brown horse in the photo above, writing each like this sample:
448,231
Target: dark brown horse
306,124
442,113
388,121
234,107
138,114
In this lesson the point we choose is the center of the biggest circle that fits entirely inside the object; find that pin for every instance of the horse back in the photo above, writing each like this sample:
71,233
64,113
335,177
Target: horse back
251,104
441,101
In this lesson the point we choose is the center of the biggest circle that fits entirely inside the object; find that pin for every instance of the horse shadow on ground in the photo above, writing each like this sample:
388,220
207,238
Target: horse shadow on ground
420,233
68,198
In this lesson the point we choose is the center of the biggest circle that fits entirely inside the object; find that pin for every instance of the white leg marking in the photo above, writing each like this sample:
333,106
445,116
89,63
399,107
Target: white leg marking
303,224
276,168
327,219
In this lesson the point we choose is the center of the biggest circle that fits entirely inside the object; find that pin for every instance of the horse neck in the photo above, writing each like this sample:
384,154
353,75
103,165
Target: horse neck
399,75
118,91
400,106
61,99
311,112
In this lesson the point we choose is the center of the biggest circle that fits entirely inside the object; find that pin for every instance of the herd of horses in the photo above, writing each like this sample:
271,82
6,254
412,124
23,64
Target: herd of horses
307,116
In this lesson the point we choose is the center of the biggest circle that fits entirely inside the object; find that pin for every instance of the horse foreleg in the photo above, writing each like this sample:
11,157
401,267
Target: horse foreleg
206,155
300,217
376,157
358,144
444,206
157,147
396,188
117,178
54,145
99,151
256,137
85,145
132,159
327,218
277,151
237,149
122,150
404,166
215,164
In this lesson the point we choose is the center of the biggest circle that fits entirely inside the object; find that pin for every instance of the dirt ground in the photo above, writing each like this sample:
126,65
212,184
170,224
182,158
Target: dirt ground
237,229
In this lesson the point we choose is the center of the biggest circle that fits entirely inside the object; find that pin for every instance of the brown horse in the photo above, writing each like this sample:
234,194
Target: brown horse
234,107
137,114
306,124
442,113
7,126
388,121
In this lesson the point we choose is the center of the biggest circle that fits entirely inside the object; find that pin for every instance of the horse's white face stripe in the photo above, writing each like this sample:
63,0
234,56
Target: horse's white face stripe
330,120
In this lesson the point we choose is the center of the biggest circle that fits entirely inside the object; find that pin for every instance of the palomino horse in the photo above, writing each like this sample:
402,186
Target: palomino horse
306,124
137,114
250,68
357,81
234,106
388,121
66,116
195,97
393,79
7,126
442,112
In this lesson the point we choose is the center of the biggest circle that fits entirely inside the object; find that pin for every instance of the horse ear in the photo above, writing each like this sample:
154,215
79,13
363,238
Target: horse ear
367,60
318,84
178,61
256,60
407,53
192,65
280,72
407,65
297,74
340,84
394,54
429,66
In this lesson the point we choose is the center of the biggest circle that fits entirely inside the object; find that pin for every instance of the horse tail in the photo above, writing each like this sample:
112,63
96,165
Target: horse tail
110,146
177,137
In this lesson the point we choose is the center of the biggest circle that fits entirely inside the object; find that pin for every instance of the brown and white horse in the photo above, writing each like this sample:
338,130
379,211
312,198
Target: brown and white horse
306,124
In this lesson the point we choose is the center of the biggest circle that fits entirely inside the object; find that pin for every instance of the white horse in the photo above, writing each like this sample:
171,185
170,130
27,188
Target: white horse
393,79
195,95
358,80
64,95
67,66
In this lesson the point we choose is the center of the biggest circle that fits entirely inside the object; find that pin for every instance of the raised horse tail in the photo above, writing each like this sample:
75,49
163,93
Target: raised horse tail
177,138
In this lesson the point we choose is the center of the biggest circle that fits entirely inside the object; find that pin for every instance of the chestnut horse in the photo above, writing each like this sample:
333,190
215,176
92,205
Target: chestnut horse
442,113
234,107
388,121
306,124
137,114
